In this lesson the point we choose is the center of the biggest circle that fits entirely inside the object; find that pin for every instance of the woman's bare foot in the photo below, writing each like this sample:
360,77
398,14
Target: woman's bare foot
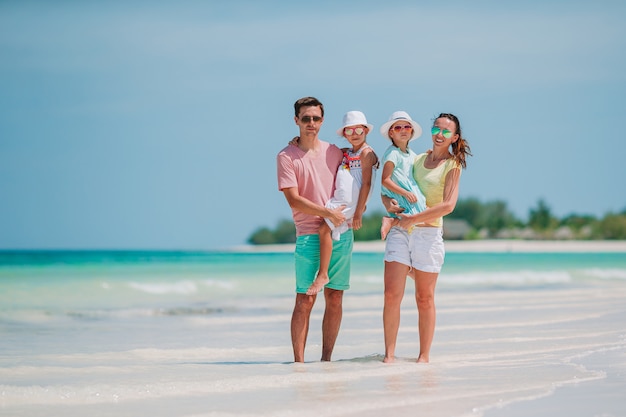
318,284
422,359
389,359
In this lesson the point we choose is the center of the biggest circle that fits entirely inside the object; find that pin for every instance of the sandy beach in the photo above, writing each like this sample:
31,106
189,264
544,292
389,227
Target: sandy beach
490,245
206,334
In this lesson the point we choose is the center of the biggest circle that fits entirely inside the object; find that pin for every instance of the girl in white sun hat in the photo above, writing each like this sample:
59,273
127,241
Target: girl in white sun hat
353,186
397,177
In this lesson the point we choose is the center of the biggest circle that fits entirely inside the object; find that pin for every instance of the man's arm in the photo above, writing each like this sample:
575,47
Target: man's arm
304,205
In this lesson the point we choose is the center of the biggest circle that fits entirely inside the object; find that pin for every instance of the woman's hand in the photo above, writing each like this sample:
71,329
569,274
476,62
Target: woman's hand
406,221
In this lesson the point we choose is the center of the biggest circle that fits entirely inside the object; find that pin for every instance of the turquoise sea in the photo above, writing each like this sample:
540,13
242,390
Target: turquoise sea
167,333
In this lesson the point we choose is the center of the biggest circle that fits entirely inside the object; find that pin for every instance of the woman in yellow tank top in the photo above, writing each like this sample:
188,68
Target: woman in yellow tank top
421,252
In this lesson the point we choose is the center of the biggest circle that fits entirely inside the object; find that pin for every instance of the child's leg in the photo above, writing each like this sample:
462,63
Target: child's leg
326,250
388,223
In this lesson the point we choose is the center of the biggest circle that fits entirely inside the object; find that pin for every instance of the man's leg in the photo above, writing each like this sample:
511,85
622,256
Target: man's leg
339,272
332,321
300,324
307,264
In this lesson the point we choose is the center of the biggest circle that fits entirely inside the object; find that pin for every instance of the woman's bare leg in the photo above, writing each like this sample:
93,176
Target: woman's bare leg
425,297
395,283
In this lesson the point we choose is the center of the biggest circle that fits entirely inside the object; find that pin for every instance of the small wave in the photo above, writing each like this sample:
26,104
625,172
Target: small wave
619,274
185,287
181,287
47,316
219,284
194,311
152,312
374,357
524,277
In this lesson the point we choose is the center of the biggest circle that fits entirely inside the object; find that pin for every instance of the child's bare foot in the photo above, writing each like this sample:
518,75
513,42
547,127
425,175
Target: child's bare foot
388,223
318,284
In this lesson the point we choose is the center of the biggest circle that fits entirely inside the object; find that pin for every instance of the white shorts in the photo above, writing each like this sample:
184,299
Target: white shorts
423,249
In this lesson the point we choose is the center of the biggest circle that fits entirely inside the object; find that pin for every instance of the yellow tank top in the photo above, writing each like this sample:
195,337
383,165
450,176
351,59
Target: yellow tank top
432,181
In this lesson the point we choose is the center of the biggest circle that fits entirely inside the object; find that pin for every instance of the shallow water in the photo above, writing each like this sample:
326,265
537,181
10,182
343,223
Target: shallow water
194,334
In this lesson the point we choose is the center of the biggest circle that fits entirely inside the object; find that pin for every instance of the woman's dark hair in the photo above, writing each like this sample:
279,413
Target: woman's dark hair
460,148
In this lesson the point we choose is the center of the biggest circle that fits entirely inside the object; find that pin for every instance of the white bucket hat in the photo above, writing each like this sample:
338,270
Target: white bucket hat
401,115
353,118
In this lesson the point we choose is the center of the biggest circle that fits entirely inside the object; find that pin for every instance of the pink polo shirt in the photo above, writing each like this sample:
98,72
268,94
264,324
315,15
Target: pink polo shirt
313,174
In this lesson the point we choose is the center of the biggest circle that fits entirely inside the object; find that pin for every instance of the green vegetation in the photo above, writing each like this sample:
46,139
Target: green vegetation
491,220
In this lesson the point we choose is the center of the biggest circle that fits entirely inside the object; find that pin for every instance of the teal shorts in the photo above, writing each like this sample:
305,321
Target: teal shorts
307,256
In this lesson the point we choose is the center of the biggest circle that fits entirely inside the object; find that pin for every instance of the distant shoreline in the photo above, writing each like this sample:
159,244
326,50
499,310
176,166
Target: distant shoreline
486,245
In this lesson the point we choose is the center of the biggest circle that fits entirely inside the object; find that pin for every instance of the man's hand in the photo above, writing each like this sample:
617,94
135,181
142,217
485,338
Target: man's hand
337,216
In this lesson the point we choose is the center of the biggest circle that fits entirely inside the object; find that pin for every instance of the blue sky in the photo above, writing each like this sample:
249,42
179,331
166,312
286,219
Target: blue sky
155,125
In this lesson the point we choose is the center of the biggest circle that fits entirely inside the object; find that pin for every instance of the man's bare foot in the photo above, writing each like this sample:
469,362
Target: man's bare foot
388,223
318,284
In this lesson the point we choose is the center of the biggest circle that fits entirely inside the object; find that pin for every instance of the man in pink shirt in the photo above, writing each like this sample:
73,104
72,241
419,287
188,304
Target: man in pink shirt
306,176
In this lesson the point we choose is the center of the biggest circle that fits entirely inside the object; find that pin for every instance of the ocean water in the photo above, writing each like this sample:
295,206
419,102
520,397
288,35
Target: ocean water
207,334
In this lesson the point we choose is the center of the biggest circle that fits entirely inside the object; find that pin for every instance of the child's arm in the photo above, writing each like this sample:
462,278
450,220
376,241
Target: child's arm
368,160
389,184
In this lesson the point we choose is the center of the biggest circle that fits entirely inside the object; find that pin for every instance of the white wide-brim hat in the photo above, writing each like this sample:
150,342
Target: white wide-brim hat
353,118
397,116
